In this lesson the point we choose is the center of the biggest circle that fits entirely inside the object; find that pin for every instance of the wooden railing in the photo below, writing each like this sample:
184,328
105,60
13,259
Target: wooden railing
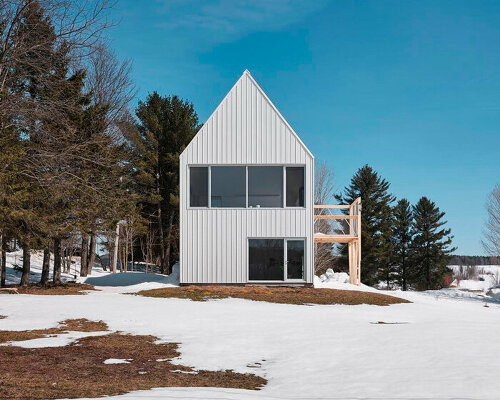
341,228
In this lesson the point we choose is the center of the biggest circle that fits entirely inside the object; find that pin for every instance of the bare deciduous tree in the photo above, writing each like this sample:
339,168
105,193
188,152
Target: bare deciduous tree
109,80
324,191
324,188
78,25
491,240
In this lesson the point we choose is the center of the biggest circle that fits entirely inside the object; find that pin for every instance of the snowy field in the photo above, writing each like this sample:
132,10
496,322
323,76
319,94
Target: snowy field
486,276
442,346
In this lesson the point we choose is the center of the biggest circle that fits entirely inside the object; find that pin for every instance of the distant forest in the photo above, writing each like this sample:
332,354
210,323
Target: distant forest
474,260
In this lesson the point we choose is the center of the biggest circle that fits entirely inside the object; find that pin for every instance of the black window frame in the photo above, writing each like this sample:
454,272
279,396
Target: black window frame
251,204
247,195
237,169
206,185
303,186
285,241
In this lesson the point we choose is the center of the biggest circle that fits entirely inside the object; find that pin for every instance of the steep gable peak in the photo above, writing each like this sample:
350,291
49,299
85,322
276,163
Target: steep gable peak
247,75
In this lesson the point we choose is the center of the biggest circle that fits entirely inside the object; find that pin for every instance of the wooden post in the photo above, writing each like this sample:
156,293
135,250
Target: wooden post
356,276
354,246
351,249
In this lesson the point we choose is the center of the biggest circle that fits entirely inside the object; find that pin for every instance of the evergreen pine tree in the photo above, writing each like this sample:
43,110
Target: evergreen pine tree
402,239
167,125
431,247
376,223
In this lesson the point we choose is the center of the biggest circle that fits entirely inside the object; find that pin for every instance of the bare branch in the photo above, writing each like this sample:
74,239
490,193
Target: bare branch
491,240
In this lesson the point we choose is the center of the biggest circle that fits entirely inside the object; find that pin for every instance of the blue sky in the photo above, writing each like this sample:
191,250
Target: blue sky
411,88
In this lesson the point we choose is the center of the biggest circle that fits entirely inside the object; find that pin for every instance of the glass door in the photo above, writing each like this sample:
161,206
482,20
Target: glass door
295,252
274,259
266,260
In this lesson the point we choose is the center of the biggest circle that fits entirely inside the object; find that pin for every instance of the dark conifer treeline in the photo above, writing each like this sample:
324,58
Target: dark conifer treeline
402,244
474,260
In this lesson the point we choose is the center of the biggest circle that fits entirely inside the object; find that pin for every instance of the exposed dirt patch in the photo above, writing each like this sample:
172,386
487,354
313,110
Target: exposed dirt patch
70,288
78,370
2,316
80,325
275,295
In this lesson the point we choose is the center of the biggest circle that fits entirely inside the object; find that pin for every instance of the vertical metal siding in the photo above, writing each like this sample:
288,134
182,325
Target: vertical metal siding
244,129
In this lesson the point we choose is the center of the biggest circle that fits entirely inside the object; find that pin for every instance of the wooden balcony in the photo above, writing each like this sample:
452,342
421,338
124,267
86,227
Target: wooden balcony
341,228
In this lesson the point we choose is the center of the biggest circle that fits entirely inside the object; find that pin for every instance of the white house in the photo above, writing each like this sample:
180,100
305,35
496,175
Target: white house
246,196
247,208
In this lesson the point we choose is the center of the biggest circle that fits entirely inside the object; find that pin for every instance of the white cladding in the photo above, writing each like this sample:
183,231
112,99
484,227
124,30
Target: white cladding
245,129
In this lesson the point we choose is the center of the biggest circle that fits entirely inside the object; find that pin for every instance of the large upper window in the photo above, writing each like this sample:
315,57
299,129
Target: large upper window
295,186
265,186
228,187
275,186
198,186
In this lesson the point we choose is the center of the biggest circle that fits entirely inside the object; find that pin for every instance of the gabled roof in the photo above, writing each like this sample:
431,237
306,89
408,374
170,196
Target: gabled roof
247,74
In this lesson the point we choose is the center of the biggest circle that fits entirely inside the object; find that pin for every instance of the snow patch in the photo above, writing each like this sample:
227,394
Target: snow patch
330,276
180,371
58,340
117,361
338,280
494,292
130,282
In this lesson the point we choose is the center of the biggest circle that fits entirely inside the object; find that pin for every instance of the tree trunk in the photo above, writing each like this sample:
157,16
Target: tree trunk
25,277
123,263
103,264
84,259
126,255
427,267
57,261
3,260
169,244
132,249
69,258
126,251
115,249
403,272
110,253
64,261
93,244
163,258
404,278
45,266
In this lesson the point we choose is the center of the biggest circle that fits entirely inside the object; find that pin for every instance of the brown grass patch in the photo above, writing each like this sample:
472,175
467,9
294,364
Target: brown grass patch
80,325
70,288
282,295
78,370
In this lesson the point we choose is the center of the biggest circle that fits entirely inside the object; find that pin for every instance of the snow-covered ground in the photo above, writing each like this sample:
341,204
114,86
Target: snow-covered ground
339,280
486,277
104,280
438,348
16,259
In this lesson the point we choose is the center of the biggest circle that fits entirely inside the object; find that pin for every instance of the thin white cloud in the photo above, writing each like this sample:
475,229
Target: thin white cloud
228,20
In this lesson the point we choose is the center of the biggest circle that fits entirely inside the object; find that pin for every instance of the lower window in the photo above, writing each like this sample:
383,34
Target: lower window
276,259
